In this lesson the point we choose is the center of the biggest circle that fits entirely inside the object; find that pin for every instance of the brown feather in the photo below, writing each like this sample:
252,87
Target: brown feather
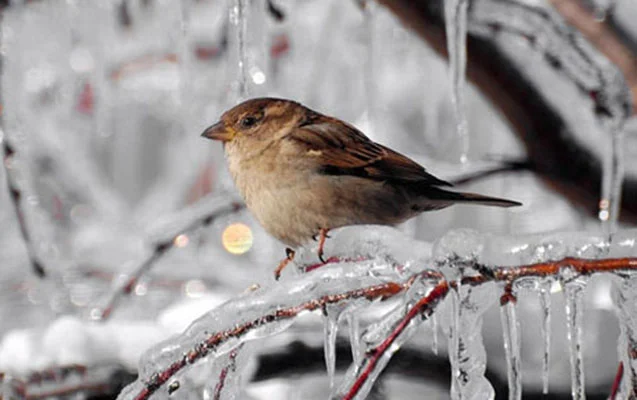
344,150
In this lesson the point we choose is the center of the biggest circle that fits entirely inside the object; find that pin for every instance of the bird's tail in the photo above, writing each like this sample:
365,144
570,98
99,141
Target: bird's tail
474,198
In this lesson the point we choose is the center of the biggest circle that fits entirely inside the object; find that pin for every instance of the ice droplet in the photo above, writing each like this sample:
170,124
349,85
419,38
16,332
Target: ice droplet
545,305
573,291
456,30
511,336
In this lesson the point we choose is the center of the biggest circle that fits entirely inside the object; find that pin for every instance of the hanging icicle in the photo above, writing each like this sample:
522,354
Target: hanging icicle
573,291
545,305
239,20
456,29
329,342
511,336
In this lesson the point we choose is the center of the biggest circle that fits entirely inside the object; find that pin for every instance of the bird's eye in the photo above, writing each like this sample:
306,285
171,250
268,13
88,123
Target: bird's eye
248,122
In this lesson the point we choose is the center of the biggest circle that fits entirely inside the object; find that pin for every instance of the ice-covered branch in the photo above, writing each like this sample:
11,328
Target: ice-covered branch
464,263
258,314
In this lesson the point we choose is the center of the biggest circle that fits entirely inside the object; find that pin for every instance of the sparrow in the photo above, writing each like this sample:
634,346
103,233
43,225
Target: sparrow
303,173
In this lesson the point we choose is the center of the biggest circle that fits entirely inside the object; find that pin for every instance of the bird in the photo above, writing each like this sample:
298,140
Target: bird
302,173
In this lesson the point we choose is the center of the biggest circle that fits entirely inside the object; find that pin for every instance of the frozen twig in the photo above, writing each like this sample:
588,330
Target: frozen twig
160,248
229,367
104,380
15,193
617,382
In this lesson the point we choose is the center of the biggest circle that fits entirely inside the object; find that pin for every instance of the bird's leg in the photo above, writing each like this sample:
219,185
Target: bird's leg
289,256
322,237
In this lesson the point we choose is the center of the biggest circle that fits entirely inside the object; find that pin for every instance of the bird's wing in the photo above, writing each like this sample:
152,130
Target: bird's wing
341,149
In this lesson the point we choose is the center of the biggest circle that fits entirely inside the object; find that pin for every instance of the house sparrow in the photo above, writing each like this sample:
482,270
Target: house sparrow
303,173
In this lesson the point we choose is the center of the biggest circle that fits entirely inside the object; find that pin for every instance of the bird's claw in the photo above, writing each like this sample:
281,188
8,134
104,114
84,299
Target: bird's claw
289,256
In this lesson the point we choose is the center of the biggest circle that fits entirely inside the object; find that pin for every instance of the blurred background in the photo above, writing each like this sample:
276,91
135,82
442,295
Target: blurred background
103,103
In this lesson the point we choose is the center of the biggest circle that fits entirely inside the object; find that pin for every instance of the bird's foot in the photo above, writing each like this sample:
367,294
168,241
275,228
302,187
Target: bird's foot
322,236
289,256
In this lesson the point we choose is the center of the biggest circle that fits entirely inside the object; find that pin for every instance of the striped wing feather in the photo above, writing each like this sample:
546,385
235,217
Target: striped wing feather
344,150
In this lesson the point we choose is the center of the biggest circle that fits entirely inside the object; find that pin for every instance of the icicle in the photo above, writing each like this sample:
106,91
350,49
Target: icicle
545,304
453,343
625,299
239,19
467,354
434,333
511,334
574,294
329,343
613,176
185,62
456,29
369,67
354,326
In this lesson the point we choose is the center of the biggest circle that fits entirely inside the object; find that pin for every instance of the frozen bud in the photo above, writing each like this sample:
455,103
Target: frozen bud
457,250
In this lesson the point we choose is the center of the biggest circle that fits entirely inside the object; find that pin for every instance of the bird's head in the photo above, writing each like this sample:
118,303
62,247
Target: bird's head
256,123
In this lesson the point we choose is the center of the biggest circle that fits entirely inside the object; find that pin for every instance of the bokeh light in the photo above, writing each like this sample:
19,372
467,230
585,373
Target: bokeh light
237,238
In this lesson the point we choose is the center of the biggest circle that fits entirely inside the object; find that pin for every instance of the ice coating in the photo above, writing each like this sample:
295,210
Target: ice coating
456,30
573,292
511,333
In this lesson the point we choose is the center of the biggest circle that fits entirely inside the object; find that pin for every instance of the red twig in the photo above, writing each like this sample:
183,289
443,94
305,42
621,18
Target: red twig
617,381
208,345
231,366
425,304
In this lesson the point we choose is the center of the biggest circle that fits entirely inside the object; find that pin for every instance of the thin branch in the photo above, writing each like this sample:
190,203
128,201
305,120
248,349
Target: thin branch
617,381
161,247
229,367
16,200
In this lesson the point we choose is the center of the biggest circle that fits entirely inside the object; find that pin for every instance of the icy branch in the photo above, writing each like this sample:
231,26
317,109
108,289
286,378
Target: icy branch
462,263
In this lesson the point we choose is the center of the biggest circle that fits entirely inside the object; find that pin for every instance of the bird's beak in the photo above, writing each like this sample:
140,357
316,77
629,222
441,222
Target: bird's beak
219,131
